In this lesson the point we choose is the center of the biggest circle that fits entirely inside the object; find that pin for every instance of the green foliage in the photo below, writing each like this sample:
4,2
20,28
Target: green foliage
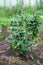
40,12
5,21
29,10
6,12
24,30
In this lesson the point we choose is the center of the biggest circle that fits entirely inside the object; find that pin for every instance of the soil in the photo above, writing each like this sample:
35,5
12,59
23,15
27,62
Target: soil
4,32
8,57
38,52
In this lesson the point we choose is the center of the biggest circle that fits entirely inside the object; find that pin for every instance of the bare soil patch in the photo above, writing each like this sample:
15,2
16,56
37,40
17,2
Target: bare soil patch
7,57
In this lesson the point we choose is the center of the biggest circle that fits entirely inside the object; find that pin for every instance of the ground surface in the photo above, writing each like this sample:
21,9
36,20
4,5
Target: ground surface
7,57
